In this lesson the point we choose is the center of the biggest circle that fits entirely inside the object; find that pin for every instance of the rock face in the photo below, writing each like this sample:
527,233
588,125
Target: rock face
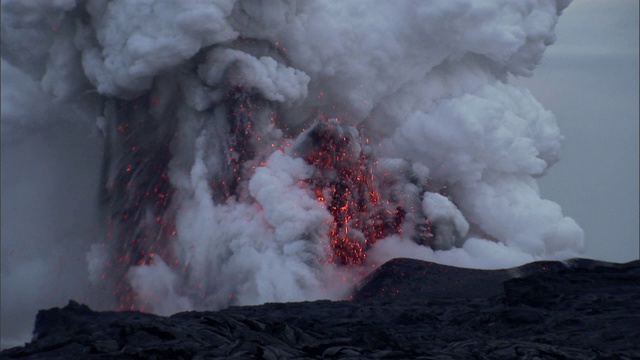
407,309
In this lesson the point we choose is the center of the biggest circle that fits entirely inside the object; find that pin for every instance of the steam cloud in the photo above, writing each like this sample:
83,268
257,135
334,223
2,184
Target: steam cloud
258,151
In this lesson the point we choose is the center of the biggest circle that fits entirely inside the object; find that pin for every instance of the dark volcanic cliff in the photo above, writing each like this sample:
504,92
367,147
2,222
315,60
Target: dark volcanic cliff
581,309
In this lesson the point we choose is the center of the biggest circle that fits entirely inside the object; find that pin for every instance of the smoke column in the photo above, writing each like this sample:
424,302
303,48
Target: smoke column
176,155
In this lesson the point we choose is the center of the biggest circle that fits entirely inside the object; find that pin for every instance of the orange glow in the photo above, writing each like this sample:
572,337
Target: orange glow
351,196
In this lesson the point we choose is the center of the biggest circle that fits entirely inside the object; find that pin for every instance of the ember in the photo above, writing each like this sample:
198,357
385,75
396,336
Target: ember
136,194
344,180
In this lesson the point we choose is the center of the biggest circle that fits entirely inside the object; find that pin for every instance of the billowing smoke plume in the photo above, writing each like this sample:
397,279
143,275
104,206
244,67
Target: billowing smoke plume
259,151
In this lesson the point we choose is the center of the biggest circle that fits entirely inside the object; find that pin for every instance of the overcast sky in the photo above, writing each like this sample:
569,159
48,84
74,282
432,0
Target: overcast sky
589,80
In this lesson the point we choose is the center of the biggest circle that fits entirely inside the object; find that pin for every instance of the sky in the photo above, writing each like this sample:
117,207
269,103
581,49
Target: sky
589,80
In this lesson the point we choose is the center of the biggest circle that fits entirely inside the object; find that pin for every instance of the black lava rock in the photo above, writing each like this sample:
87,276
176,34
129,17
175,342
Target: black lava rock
407,309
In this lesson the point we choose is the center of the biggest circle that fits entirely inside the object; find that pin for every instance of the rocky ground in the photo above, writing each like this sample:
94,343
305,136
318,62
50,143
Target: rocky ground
407,309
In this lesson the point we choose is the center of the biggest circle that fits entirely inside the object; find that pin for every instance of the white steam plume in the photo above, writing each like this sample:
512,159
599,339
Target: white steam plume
275,150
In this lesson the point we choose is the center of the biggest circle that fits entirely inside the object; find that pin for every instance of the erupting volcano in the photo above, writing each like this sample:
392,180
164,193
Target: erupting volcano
258,151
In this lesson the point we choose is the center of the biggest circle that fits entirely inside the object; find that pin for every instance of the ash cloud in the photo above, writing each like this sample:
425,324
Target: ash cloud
201,108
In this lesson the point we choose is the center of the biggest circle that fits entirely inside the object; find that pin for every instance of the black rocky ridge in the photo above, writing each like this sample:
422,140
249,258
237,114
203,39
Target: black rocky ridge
407,309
